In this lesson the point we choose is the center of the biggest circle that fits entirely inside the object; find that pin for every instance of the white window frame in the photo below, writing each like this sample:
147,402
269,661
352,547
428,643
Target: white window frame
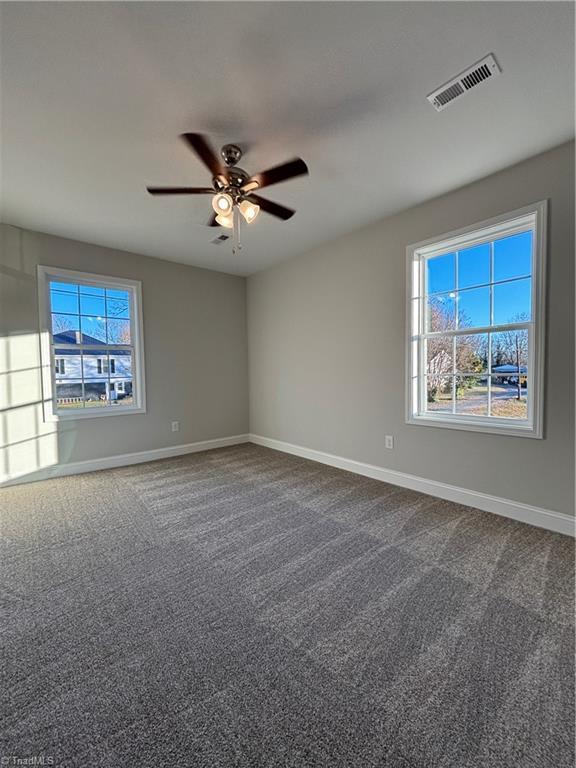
529,217
134,288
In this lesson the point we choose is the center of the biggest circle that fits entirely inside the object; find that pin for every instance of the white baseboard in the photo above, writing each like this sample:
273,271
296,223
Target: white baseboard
525,513
543,518
122,460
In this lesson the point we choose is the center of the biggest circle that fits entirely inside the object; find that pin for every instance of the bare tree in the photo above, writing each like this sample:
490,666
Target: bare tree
511,348
119,327
119,331
470,350
62,323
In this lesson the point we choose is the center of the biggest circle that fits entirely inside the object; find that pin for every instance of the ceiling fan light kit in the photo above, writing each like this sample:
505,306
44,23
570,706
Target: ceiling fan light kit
225,221
222,204
248,210
233,188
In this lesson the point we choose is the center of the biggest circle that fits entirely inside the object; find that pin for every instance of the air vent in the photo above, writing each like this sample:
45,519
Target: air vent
220,239
478,73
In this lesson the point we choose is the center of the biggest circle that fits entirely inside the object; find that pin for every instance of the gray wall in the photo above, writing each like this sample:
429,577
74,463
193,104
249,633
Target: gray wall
195,350
327,346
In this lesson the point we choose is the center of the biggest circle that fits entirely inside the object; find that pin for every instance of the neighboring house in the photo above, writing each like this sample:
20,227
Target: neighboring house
106,374
509,374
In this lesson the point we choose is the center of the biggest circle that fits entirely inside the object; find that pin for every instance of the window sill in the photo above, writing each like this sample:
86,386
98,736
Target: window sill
92,413
495,427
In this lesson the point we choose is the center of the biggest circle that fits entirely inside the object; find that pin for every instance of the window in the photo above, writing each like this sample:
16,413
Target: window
92,344
476,326
103,365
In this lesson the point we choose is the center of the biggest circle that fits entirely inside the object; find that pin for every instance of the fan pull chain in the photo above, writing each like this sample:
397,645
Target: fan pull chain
236,244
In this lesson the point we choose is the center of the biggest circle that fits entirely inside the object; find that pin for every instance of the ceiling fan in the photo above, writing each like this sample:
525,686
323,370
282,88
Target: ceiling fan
232,187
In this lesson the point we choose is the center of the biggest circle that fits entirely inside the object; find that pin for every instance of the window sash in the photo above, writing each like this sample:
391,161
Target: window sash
423,412
421,338
105,366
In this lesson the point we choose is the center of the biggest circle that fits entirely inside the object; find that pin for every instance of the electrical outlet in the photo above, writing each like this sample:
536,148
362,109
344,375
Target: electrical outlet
175,426
389,442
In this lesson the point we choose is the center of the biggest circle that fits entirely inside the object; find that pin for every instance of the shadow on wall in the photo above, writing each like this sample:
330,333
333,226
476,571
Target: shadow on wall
29,446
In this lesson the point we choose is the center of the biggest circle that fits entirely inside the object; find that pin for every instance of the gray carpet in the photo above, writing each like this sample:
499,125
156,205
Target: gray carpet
242,607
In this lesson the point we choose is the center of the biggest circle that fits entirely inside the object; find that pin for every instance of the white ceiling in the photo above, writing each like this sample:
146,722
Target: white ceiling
94,96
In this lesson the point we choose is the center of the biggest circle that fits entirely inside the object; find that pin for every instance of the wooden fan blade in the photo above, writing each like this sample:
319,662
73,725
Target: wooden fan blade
275,209
212,221
200,146
279,173
180,190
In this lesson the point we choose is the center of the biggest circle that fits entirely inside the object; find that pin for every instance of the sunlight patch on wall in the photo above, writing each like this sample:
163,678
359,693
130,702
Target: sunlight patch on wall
27,443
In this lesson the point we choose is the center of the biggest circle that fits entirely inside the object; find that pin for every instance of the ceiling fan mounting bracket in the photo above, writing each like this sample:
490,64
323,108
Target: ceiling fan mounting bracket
231,154
235,177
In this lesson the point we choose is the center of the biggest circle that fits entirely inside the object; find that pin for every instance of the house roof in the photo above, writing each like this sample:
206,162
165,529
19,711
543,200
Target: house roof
75,337
509,369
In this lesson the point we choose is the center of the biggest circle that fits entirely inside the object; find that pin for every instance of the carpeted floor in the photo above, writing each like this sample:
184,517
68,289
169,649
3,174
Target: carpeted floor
242,607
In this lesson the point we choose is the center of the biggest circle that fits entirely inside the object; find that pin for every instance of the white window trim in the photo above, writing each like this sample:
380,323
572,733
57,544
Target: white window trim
536,214
51,413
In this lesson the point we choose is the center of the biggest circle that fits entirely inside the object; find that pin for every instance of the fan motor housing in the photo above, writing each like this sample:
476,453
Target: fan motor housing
237,177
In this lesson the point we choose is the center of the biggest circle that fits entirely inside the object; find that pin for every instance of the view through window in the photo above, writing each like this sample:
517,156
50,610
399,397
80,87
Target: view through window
474,327
92,345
